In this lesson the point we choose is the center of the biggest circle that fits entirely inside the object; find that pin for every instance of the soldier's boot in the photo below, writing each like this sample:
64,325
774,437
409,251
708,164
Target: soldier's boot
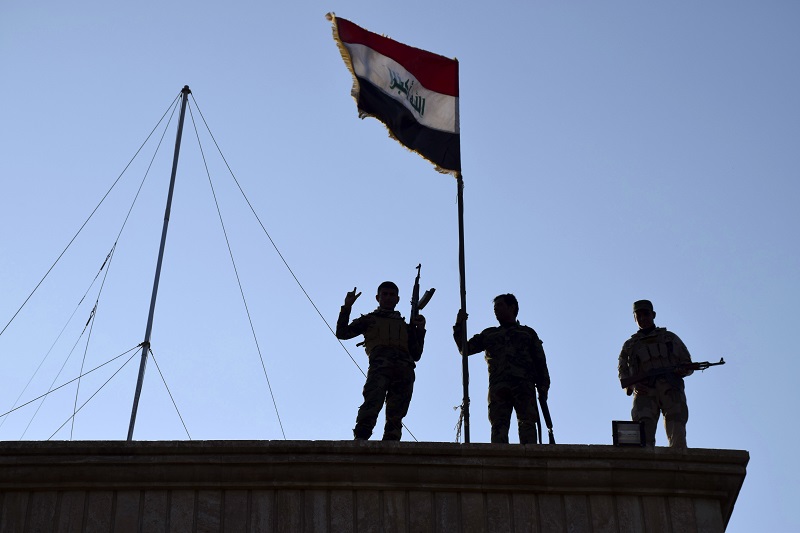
499,434
393,429
649,431
362,432
528,433
676,432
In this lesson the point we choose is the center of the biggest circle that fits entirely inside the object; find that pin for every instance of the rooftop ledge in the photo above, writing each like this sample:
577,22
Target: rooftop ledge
604,473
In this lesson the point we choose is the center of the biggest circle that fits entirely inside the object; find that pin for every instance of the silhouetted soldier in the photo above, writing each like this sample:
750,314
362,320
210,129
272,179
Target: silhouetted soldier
393,348
517,368
649,349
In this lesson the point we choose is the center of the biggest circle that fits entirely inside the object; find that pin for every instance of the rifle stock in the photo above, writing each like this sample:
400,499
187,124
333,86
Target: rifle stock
656,372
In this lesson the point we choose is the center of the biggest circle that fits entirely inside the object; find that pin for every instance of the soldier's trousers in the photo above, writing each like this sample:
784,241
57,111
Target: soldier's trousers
392,385
665,396
519,396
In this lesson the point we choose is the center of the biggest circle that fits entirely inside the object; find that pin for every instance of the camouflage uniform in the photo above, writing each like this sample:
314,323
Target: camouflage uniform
517,367
393,348
646,350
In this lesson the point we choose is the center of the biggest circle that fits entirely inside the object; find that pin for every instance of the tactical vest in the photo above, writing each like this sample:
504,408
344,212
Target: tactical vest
511,352
390,332
656,349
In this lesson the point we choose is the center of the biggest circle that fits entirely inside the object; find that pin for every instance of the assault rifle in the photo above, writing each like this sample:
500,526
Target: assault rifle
417,303
656,372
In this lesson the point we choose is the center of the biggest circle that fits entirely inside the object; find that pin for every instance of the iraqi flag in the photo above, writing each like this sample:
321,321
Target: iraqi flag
413,92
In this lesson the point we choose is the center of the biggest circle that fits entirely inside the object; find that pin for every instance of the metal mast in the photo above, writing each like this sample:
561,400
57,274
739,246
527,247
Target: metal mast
462,275
146,344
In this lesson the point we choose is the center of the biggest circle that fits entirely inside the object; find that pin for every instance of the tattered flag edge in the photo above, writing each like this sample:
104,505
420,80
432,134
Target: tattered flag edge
356,91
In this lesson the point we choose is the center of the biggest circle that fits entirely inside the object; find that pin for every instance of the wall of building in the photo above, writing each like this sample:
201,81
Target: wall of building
363,486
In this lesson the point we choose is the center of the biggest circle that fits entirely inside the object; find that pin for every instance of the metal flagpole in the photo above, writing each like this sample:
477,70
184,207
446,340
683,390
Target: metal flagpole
146,344
461,269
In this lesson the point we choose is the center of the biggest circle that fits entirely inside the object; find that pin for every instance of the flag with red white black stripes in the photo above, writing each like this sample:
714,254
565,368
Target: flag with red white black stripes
412,91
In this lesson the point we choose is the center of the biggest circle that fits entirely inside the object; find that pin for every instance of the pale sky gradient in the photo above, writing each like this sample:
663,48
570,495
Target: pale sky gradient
612,151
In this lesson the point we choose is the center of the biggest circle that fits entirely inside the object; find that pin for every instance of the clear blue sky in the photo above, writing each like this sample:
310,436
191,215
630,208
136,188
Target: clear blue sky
612,151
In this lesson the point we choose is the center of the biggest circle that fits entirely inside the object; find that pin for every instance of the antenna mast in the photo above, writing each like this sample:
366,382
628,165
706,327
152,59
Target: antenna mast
146,344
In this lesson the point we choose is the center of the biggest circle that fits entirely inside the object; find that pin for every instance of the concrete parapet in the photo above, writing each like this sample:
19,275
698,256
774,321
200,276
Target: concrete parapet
363,486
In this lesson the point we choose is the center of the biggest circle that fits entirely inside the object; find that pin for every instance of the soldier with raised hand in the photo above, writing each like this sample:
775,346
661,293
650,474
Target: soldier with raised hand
393,348
517,369
647,350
